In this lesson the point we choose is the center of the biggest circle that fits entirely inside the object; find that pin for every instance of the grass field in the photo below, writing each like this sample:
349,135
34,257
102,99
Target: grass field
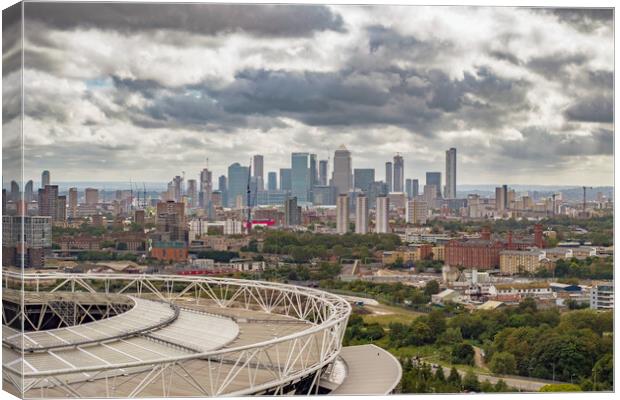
384,315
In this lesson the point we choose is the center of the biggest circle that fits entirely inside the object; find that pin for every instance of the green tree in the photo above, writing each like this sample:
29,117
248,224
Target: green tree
463,353
503,363
470,382
432,287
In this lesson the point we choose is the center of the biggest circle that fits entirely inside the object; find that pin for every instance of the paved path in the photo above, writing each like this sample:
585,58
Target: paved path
518,382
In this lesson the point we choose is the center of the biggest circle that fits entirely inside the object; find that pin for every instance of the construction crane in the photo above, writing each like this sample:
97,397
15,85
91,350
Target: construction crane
249,223
584,197
553,205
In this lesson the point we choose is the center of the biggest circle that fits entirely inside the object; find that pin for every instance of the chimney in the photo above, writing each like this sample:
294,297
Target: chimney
538,236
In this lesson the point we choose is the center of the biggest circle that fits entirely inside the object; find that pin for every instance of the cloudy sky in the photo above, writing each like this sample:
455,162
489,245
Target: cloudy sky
146,91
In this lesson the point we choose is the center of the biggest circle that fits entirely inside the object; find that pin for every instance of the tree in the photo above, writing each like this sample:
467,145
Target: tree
503,363
470,382
439,374
454,378
463,354
432,287
420,333
450,336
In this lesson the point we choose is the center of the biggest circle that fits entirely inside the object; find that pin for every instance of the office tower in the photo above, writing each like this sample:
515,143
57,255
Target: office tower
61,209
324,195
272,181
382,215
314,172
342,214
48,201
257,171
300,176
417,212
363,178
15,194
177,188
450,191
237,184
415,188
501,198
285,179
361,215
73,202
342,177
45,178
292,212
323,173
409,188
376,189
388,175
91,196
222,186
192,193
37,231
434,178
399,174
206,188
28,191
430,194
170,220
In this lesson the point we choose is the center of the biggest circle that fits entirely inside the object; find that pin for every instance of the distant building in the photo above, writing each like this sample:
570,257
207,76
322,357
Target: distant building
45,178
389,176
285,179
342,176
363,178
171,222
323,172
512,262
52,205
399,174
73,202
292,212
233,227
257,171
172,251
272,181
602,297
434,178
501,198
382,215
342,214
300,176
450,191
91,196
416,212
237,184
361,215
324,195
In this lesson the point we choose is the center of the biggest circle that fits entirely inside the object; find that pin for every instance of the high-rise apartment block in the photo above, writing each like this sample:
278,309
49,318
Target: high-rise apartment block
342,213
361,215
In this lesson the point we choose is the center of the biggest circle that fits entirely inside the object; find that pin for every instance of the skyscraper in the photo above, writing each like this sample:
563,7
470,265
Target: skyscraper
192,193
237,184
323,173
409,187
272,181
45,178
382,215
417,212
363,178
314,172
52,205
434,178
222,185
399,174
292,212
361,215
91,196
206,187
258,171
342,177
450,191
415,188
28,191
73,202
342,214
501,198
285,179
300,176
388,175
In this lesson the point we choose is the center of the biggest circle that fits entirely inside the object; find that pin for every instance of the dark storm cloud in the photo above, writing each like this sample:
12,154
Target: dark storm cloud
540,144
585,19
505,56
554,65
11,39
594,109
204,19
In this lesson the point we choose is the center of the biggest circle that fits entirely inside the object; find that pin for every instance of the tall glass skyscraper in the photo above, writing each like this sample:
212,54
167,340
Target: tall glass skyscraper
399,174
323,173
237,184
363,178
285,179
342,176
450,190
388,175
300,176
272,181
434,178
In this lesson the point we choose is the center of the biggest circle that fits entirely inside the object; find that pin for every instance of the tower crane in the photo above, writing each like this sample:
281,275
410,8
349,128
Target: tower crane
249,191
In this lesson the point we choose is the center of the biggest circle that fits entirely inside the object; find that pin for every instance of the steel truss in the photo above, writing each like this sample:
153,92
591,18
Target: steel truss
274,366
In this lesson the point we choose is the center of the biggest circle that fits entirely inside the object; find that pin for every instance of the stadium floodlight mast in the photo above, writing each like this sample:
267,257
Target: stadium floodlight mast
271,366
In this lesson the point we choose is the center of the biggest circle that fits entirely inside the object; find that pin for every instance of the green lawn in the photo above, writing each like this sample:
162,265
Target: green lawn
384,315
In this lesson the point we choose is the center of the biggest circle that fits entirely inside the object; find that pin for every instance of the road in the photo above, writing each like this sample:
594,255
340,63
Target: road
518,382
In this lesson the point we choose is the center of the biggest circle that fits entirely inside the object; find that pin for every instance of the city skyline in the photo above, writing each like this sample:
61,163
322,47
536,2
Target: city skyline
358,76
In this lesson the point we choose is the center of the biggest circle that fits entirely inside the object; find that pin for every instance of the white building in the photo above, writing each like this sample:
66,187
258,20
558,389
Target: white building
602,297
382,216
233,227
342,214
361,215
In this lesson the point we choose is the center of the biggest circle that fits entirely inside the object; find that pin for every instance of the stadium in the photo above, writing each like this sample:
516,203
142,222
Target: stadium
115,335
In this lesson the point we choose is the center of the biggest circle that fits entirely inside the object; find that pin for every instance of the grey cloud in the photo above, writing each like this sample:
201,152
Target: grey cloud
585,19
554,65
505,56
205,19
594,109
